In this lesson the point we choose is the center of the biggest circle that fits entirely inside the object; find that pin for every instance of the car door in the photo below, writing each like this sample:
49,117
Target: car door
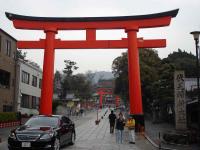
65,129
62,131
70,128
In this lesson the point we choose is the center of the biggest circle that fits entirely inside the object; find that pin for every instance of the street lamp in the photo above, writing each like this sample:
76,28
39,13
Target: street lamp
196,38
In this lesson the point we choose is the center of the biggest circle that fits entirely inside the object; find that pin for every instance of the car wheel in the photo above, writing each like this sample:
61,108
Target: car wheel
57,144
72,138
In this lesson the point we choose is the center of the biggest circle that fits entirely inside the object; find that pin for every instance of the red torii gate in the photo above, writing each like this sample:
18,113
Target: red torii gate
117,101
105,91
131,25
101,92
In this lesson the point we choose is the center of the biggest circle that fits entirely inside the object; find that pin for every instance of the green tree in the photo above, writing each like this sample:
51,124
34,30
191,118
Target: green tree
70,66
179,60
20,55
57,81
120,71
164,90
183,61
81,86
66,84
157,76
149,62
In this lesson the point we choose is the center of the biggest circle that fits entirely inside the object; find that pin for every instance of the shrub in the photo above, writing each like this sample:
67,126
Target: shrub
8,116
55,105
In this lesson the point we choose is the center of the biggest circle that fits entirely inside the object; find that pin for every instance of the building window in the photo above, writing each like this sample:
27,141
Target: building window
40,83
34,81
8,48
25,77
38,101
25,101
35,102
4,79
7,108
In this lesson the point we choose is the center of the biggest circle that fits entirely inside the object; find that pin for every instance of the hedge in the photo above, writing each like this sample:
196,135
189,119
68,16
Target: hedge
8,116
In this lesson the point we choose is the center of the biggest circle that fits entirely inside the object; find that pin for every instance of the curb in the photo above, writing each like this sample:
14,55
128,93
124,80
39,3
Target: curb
156,145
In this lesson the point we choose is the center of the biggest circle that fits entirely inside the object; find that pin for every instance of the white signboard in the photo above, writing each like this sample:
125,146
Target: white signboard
180,103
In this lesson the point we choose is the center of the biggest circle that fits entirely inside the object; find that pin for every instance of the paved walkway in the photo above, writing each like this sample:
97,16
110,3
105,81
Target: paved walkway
98,137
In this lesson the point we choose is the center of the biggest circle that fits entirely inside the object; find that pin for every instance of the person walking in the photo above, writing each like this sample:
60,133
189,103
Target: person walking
120,123
19,117
112,118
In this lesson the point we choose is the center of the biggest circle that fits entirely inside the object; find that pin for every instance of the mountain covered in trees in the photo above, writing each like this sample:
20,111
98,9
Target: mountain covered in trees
99,75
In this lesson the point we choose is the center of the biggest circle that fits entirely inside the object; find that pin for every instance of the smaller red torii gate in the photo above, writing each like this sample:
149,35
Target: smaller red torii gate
101,92
117,101
130,24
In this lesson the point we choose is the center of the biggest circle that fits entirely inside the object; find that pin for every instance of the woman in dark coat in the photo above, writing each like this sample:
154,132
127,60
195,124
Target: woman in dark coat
120,123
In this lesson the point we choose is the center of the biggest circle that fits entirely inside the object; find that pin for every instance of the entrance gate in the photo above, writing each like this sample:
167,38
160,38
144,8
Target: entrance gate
130,24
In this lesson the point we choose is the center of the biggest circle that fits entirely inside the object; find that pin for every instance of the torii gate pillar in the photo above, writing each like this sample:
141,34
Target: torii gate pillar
48,73
117,101
100,100
134,77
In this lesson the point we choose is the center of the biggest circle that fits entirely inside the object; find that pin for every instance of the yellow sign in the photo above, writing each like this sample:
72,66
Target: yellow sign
70,104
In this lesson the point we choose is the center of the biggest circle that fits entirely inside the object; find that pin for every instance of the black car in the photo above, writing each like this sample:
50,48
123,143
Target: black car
43,132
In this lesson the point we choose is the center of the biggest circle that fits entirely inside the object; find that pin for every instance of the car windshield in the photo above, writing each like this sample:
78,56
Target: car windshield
43,121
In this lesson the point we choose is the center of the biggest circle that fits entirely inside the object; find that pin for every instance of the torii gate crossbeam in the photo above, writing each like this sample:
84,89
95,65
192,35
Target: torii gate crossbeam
130,24
95,44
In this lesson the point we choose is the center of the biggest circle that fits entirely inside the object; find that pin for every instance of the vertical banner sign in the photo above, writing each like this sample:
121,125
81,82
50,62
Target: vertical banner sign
180,103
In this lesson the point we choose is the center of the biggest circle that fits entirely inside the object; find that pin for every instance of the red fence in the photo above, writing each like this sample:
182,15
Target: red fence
9,124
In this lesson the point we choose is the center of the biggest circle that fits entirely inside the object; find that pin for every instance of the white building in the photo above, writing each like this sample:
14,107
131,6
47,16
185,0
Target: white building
28,91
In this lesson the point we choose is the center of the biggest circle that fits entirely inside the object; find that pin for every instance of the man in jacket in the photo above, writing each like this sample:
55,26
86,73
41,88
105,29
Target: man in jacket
112,118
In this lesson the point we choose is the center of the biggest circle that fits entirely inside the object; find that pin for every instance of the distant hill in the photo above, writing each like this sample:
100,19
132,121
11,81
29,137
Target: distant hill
102,75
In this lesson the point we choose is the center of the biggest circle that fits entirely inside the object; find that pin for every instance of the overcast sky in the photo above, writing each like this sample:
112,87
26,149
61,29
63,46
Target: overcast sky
177,34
